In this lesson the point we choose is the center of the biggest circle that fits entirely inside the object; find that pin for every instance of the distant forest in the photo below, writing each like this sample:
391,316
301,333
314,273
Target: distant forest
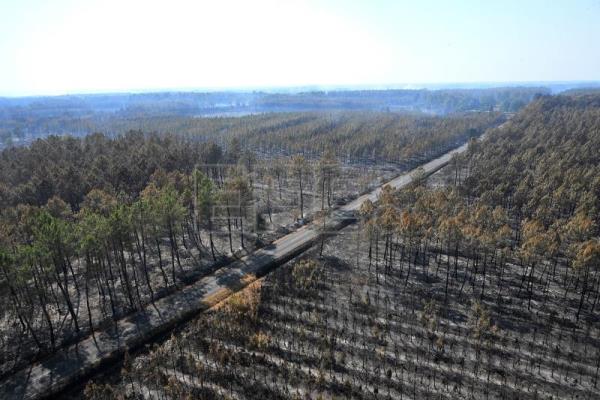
70,167
25,119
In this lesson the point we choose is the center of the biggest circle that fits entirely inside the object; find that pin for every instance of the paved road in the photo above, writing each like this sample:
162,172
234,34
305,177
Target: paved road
66,367
405,179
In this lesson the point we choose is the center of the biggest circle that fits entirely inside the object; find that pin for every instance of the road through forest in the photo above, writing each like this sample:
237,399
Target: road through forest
72,364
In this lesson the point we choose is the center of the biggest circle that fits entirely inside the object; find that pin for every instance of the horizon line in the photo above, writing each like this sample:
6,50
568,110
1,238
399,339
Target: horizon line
296,89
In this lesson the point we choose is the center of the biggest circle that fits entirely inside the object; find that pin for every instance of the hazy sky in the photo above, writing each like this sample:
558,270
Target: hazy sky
67,46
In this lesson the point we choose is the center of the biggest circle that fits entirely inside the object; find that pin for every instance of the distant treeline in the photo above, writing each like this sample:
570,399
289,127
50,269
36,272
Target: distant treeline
431,101
24,119
69,167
